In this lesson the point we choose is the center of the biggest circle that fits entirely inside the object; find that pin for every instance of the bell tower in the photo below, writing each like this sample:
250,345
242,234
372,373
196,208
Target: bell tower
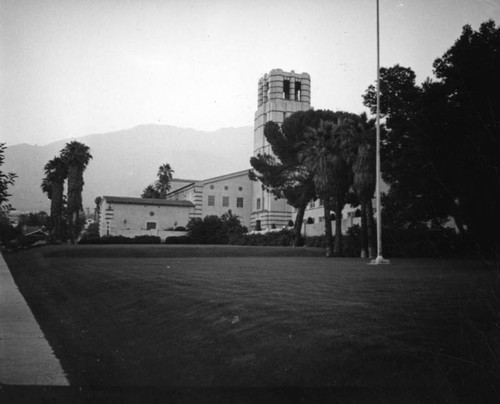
280,94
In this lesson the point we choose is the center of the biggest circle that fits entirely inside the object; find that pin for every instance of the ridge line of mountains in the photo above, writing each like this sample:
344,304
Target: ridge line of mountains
126,161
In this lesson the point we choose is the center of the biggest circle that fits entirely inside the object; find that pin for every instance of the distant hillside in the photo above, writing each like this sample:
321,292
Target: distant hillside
125,162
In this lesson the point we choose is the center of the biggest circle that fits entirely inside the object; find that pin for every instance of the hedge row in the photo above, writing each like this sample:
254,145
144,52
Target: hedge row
414,242
121,240
282,238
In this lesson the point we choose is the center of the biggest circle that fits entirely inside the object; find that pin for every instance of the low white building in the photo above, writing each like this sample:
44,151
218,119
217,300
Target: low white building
130,217
314,219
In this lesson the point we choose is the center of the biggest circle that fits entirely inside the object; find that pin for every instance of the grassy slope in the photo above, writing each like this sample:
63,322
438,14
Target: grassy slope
233,316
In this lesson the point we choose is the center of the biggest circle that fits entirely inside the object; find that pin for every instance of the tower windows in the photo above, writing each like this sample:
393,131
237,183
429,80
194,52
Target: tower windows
298,90
286,89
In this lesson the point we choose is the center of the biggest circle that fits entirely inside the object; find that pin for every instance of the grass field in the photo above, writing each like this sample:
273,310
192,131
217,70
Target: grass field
264,317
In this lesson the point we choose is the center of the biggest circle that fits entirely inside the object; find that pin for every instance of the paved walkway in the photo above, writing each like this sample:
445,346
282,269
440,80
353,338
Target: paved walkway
26,357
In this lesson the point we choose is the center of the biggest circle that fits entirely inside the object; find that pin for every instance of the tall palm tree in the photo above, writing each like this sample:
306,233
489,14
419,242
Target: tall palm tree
53,185
326,156
165,175
364,184
76,156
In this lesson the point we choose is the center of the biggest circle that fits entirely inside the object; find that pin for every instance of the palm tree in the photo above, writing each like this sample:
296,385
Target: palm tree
318,161
76,156
165,174
326,157
150,193
53,185
364,184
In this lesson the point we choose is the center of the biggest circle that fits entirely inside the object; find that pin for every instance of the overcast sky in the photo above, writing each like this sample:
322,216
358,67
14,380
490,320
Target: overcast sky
75,67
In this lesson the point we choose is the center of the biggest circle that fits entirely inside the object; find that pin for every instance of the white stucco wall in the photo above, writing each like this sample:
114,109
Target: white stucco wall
131,220
232,187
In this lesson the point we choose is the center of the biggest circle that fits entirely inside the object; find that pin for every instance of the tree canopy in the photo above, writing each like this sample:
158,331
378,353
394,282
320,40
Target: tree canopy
441,153
310,159
159,189
165,175
6,180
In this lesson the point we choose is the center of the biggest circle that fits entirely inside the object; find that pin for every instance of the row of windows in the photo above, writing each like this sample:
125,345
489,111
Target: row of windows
226,188
225,201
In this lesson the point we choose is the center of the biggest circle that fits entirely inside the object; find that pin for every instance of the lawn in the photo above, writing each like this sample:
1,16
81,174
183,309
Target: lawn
188,317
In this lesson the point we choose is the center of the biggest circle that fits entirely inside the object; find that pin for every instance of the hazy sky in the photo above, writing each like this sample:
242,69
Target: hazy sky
75,67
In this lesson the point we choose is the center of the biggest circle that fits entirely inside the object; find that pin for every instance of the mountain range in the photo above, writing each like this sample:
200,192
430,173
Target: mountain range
126,161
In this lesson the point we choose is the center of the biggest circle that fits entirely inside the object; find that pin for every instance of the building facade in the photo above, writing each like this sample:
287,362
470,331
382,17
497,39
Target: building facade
280,94
130,217
216,196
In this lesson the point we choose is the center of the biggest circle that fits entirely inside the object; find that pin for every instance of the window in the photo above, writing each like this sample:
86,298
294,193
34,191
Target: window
312,205
211,200
225,201
258,203
150,225
298,90
211,187
286,89
239,202
226,187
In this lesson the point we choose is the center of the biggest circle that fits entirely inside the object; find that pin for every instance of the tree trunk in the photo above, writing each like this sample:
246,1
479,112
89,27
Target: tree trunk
297,228
372,242
364,232
56,205
338,229
328,231
74,226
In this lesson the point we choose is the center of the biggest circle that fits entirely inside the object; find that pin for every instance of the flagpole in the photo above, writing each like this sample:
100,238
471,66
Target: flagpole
379,259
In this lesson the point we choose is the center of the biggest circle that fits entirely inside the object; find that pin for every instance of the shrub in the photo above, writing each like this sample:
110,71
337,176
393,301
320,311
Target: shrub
420,241
146,240
282,238
179,240
180,228
315,241
351,242
7,233
215,230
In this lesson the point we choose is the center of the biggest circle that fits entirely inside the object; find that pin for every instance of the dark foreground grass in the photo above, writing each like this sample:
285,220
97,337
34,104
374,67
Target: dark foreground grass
281,323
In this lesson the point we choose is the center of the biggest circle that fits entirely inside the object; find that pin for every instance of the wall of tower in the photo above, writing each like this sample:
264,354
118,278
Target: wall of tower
280,94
